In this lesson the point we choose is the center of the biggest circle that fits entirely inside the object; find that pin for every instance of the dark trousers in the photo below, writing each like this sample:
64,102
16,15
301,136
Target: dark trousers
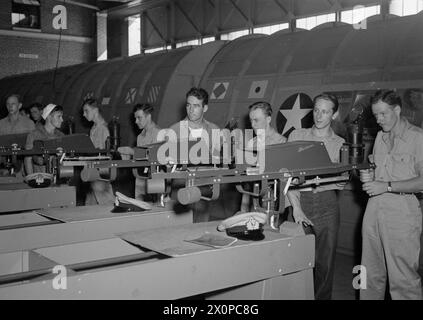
323,210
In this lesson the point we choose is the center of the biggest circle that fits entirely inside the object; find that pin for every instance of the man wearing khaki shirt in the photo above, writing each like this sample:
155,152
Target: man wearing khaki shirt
149,132
15,123
319,206
392,223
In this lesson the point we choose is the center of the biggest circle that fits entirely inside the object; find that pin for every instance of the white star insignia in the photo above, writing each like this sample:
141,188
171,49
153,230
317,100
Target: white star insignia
293,116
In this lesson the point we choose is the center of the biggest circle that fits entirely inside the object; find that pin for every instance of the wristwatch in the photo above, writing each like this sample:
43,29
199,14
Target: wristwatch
389,186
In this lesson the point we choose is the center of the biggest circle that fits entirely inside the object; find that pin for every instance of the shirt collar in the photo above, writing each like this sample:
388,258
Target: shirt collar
17,118
399,130
102,122
330,136
203,123
150,126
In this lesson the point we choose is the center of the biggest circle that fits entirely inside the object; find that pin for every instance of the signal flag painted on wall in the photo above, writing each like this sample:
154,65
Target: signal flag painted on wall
153,94
258,89
219,90
106,101
89,95
130,96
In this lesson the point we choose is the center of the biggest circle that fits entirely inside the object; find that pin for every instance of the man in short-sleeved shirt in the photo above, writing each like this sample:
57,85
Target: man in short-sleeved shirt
318,206
15,123
260,114
143,114
260,117
195,126
53,116
392,222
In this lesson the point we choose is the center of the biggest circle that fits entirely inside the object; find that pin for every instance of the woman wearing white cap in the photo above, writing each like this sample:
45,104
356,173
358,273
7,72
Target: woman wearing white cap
53,116
101,191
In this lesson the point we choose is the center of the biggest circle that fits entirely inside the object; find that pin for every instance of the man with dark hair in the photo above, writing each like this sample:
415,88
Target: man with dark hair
35,111
392,222
14,122
149,131
143,114
318,206
53,116
195,126
101,192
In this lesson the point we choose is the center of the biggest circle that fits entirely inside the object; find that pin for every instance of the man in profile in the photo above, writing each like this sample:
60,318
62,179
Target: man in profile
53,116
143,114
392,223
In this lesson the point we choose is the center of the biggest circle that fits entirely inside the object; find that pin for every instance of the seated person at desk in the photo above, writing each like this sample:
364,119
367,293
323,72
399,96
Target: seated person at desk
101,192
14,122
149,131
53,116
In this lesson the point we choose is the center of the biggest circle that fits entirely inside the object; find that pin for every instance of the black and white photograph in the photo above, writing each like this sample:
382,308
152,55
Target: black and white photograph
211,155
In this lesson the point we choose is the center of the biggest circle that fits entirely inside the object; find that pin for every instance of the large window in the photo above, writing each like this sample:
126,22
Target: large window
359,13
194,42
271,29
26,14
311,22
134,35
207,39
233,35
151,50
405,7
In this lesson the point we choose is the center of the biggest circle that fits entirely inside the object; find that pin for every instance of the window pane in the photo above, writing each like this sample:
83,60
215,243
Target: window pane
271,29
405,7
25,15
233,35
194,42
134,35
311,22
359,13
151,50
208,39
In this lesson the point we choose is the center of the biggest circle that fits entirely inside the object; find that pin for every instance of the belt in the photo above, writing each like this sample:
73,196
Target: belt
418,195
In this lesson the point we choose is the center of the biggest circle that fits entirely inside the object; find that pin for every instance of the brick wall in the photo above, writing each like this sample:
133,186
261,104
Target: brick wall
81,21
22,54
5,14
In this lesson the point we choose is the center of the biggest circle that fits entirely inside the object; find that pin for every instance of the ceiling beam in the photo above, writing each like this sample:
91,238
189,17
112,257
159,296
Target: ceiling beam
186,16
235,5
154,26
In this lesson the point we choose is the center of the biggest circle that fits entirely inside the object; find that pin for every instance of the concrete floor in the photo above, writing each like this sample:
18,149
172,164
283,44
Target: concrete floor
342,284
343,278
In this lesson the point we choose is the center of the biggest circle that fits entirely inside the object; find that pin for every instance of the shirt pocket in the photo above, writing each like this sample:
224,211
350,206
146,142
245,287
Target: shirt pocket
403,166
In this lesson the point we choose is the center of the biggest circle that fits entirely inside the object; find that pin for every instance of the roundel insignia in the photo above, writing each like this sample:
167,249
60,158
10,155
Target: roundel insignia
295,113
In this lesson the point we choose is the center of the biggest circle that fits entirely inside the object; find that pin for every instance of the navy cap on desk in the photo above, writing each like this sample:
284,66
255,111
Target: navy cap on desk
244,226
39,179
